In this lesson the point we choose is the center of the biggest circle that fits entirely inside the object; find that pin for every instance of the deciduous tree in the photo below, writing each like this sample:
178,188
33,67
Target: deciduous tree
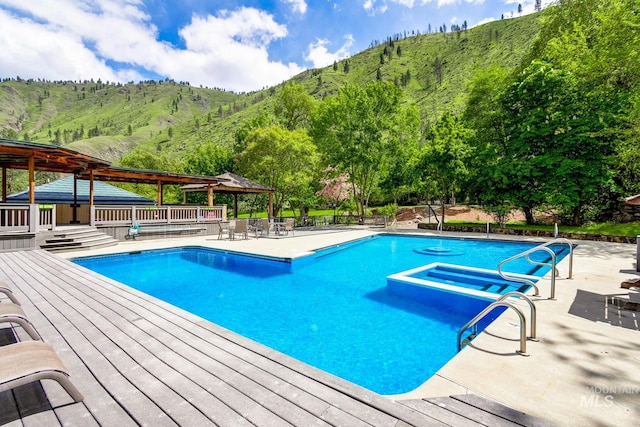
281,159
353,130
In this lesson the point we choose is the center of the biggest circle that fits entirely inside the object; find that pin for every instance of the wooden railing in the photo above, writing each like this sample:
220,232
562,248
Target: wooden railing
27,218
129,215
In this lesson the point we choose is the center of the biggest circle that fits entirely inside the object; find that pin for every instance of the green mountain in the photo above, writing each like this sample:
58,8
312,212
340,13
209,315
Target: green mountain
109,120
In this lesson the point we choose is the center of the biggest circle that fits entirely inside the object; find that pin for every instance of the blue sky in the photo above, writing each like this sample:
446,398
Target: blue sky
239,45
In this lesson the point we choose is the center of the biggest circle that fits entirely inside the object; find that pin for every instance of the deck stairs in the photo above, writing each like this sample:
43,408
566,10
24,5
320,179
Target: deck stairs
74,238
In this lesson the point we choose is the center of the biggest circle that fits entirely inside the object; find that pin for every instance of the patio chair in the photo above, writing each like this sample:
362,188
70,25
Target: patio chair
288,226
242,228
13,313
266,225
8,292
255,226
226,228
29,361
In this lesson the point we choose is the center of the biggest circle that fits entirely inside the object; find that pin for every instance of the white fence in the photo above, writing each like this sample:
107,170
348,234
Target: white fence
27,218
128,215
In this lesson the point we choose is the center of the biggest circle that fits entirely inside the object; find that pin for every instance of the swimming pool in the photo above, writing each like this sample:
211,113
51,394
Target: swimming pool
331,309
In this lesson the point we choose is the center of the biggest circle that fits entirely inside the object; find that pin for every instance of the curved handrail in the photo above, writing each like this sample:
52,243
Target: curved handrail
526,254
532,310
487,310
570,244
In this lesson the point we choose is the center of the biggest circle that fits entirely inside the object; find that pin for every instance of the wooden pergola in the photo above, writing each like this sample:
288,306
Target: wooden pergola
33,157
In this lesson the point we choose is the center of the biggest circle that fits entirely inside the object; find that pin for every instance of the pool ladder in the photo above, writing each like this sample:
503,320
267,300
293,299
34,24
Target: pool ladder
500,302
554,268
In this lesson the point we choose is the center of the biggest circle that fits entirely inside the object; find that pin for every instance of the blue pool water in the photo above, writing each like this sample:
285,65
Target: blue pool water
332,309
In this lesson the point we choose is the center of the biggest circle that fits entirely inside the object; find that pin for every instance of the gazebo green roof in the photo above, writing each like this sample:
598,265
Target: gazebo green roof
61,192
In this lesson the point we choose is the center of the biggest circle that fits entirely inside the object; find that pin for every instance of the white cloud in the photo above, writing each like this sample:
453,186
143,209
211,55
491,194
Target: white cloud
484,21
231,48
406,3
380,6
320,56
372,9
299,6
68,40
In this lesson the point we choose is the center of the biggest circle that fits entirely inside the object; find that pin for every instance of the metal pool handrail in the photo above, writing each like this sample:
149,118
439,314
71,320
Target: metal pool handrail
570,244
532,310
487,310
526,254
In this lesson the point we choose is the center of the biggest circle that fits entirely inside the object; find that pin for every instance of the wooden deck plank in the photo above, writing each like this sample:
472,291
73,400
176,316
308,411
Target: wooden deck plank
477,414
138,360
444,415
9,416
502,411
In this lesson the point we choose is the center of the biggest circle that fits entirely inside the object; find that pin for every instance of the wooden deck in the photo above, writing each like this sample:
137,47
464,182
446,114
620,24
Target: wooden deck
140,361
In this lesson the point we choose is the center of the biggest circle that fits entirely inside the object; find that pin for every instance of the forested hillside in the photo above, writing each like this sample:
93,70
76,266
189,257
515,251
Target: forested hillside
109,120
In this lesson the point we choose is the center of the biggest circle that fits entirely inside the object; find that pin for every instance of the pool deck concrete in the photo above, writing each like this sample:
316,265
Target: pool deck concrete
585,368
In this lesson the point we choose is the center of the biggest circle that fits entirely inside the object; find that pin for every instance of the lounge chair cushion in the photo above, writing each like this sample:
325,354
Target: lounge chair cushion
13,313
25,362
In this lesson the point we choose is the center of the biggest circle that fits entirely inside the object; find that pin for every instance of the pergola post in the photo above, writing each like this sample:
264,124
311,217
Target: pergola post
159,192
270,209
209,195
32,179
4,184
235,205
90,187
74,217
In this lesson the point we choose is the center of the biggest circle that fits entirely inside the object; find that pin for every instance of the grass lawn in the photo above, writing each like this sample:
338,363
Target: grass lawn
608,228
290,213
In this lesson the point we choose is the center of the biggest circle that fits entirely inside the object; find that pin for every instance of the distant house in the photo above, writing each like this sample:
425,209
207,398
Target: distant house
60,193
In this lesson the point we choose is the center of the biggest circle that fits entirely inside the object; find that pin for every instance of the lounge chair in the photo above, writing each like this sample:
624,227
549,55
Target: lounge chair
13,313
29,361
8,292
241,228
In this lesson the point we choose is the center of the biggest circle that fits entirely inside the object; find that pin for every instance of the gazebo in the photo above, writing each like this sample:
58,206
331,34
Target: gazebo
231,183
28,218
